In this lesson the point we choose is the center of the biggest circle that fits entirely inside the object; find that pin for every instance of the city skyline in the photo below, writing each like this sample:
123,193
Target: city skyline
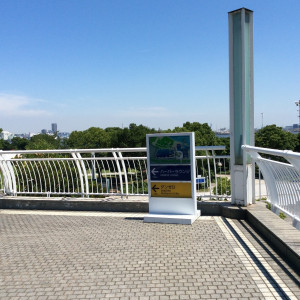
224,131
158,63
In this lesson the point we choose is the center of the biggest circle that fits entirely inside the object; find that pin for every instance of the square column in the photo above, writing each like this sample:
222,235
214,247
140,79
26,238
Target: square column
241,104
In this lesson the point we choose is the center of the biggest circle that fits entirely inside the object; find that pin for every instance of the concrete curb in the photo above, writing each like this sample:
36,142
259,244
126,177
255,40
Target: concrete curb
281,235
207,208
74,204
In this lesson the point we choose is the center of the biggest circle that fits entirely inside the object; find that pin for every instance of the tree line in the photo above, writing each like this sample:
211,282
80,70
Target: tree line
134,136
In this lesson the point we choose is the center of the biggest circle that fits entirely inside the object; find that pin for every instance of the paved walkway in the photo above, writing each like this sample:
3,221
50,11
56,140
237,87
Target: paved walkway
92,255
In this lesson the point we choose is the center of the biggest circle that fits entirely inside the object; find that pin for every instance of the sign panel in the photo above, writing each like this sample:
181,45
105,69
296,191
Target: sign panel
200,180
171,175
170,149
170,172
171,189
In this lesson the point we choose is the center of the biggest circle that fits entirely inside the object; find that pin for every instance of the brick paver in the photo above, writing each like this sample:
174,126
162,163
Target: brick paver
65,255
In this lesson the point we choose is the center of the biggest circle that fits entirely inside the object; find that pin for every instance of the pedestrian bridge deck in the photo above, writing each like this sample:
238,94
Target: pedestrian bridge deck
96,255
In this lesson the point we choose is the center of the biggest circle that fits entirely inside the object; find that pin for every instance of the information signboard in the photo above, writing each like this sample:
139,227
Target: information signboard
171,174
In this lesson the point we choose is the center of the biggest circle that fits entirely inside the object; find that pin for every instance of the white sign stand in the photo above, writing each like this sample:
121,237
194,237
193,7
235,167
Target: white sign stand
171,178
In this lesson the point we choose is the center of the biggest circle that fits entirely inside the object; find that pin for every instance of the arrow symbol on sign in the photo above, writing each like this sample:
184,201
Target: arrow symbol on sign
154,172
154,188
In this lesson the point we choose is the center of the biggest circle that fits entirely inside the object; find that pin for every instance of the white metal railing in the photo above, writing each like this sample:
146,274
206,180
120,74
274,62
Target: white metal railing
100,172
281,172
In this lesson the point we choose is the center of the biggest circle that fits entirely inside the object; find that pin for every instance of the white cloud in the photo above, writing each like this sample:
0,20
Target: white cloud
21,106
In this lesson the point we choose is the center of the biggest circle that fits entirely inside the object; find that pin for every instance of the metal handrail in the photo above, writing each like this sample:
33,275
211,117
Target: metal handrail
282,179
115,174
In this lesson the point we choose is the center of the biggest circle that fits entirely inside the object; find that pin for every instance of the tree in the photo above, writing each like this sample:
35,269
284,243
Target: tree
204,136
18,143
225,142
6,145
274,137
223,187
115,134
91,138
137,135
297,149
43,142
129,137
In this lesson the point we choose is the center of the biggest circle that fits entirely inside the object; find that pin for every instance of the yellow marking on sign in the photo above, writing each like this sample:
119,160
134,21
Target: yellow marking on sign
171,189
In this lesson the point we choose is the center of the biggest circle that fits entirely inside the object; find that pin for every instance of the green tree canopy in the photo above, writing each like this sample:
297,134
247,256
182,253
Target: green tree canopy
297,149
135,135
93,137
18,143
274,137
204,136
129,137
43,142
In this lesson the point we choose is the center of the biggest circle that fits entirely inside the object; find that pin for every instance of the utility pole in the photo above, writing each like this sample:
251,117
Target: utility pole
262,120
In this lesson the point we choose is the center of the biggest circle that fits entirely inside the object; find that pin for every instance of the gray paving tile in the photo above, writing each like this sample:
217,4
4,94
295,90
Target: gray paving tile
117,257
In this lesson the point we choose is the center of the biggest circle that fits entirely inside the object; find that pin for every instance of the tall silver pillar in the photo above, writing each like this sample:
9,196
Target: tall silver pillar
241,104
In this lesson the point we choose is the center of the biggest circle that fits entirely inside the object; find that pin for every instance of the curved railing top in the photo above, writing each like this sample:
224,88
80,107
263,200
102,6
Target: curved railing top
285,153
100,150
282,179
290,156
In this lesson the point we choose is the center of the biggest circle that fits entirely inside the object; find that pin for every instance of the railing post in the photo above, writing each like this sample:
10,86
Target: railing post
9,175
13,177
125,173
119,171
215,170
209,175
76,158
87,190
94,177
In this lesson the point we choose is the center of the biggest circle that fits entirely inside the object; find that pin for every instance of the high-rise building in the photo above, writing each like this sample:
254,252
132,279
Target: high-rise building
6,135
54,127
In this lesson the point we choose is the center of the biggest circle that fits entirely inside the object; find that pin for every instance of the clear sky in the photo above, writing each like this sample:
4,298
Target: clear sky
160,63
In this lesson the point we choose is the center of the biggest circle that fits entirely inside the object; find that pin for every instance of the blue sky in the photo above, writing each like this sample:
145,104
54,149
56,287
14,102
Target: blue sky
157,63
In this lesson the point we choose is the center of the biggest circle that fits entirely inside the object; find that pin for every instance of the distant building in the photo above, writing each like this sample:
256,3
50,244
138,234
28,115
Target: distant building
25,135
7,136
54,127
292,128
44,131
288,128
222,133
63,135
31,134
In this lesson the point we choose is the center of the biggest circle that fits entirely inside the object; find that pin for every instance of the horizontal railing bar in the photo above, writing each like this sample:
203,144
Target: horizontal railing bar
82,158
210,156
141,149
199,148
102,150
105,158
